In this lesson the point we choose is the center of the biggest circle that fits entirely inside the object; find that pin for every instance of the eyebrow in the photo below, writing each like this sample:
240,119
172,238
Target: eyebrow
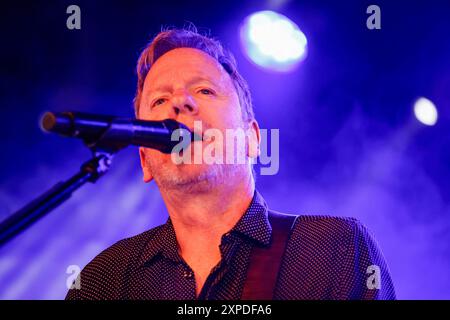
195,79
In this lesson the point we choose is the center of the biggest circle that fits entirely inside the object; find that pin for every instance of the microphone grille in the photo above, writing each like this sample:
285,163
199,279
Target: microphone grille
48,121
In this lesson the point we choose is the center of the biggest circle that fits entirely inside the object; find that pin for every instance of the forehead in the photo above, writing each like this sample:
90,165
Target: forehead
182,64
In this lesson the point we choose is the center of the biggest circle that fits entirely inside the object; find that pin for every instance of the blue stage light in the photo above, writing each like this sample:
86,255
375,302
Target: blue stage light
273,41
425,111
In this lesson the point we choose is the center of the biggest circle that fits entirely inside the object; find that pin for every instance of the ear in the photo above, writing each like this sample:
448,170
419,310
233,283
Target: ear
145,169
254,139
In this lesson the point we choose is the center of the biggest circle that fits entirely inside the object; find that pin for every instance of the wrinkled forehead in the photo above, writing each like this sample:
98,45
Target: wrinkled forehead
182,64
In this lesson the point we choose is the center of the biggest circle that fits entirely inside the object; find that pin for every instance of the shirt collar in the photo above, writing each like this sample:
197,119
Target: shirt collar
254,225
163,242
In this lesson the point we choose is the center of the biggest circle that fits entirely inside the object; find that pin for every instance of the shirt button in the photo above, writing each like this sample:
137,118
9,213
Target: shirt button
187,274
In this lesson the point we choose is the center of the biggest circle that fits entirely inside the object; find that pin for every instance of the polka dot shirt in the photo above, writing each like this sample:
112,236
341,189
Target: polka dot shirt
325,258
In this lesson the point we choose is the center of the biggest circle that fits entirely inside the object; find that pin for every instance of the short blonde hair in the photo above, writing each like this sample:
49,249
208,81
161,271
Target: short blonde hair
189,38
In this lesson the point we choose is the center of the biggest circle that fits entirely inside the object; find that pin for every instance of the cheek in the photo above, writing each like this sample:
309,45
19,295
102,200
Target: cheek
146,114
236,110
143,112
154,157
228,115
233,116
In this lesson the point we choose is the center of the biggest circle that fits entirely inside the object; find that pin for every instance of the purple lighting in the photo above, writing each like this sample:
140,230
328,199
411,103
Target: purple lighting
425,111
273,41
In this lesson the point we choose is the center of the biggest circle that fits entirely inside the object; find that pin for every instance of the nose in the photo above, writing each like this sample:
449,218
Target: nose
183,102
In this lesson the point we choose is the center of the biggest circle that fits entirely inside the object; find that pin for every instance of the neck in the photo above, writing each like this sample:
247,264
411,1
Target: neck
200,219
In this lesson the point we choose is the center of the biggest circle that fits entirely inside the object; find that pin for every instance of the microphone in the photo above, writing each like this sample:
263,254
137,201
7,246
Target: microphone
116,133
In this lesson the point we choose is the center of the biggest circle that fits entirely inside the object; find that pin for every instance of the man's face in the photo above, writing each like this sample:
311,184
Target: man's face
188,85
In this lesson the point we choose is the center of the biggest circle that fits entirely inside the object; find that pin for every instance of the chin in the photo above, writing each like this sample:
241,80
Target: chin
189,177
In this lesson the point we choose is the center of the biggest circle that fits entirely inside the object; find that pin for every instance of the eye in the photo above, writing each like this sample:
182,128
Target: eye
206,91
158,102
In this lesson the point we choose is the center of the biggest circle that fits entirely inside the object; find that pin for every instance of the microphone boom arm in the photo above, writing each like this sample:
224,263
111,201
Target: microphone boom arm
104,136
102,148
90,171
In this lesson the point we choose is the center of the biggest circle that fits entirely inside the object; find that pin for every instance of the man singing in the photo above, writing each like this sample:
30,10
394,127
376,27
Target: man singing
221,240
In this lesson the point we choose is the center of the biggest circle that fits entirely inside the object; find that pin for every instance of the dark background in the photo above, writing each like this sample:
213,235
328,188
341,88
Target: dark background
349,142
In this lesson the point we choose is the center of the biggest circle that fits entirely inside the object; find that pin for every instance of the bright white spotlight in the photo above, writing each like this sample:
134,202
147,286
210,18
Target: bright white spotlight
425,111
273,41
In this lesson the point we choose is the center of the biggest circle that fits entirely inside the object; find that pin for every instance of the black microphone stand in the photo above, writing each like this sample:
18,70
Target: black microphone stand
90,171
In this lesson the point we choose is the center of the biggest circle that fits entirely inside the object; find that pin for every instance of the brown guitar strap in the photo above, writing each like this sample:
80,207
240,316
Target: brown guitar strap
265,262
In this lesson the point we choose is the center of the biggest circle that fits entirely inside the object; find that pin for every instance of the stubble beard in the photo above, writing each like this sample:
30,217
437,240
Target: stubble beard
200,179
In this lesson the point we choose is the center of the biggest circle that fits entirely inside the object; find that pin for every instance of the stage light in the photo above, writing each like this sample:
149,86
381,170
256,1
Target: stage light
273,41
425,111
